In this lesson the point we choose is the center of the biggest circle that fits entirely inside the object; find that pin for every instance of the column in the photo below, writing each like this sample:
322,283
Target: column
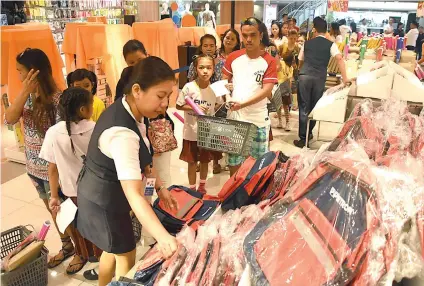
244,9
147,11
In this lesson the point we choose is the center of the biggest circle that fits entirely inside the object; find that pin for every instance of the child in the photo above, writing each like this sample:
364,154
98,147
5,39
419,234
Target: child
200,91
285,76
64,147
87,80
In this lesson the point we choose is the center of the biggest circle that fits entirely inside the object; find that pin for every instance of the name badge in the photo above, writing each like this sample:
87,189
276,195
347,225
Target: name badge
150,187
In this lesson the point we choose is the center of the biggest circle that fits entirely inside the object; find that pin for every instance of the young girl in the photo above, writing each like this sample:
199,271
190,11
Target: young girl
208,47
119,158
201,93
87,80
285,76
64,147
37,105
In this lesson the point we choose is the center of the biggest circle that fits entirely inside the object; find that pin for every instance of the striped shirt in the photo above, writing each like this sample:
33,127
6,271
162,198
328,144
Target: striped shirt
248,76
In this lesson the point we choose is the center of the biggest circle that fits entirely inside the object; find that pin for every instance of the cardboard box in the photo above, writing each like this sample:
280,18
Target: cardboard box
376,83
332,105
408,57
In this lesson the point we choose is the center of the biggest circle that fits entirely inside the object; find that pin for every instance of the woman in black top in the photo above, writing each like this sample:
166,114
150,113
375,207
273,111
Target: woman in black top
111,181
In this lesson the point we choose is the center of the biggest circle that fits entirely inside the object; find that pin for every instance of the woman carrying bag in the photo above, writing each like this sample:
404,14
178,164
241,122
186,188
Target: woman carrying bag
118,170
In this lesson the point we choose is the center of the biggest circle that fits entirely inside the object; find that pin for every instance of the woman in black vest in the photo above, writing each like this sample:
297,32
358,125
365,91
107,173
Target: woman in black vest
119,157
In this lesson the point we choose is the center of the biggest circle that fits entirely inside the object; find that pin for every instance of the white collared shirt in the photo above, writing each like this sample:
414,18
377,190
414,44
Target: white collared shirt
122,145
57,149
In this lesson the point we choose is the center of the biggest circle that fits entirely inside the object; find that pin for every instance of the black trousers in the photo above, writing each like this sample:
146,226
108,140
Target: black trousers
309,90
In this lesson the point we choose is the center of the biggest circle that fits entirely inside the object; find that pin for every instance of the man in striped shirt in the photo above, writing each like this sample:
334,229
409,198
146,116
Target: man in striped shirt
253,74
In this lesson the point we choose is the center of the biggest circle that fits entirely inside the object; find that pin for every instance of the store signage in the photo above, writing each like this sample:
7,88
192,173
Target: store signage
337,5
270,14
420,10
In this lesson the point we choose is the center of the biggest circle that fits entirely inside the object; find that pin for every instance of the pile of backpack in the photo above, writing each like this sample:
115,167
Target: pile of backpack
350,214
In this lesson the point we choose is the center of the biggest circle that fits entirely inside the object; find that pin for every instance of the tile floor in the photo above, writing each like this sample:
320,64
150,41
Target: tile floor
20,204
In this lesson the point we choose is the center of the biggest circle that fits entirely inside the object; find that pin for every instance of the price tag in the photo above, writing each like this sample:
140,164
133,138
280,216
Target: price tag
150,187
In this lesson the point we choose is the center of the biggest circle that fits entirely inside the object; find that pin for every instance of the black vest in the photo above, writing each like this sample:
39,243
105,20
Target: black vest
98,180
317,54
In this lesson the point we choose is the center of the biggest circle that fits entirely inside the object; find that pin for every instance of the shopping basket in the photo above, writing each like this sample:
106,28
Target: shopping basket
35,273
225,135
276,101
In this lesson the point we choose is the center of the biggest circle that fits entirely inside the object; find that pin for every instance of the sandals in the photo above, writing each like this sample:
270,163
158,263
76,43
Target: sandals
67,251
80,265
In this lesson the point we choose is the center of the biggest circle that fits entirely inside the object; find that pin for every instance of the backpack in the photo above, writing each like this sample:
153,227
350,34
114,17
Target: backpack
149,269
250,181
363,131
320,232
193,209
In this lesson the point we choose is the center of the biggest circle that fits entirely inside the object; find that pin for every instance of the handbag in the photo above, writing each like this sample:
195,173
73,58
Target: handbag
162,136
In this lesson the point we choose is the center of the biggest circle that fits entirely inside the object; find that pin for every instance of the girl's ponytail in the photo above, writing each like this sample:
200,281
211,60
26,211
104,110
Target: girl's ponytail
71,101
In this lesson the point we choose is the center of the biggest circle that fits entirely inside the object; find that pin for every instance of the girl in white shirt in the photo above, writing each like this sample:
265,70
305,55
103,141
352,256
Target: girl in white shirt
202,94
335,34
64,147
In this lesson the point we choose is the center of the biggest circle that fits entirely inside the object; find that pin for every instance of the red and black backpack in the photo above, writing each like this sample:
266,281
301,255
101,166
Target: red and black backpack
319,233
193,209
246,186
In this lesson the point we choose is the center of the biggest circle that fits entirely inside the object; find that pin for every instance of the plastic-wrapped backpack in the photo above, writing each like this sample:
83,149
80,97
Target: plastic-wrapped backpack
320,233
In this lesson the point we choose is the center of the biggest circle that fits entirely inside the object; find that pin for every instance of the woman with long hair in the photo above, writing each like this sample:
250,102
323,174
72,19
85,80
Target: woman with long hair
276,34
37,104
335,34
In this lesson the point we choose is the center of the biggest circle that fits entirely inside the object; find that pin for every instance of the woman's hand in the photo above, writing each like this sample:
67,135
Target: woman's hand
167,246
234,105
30,83
169,201
54,204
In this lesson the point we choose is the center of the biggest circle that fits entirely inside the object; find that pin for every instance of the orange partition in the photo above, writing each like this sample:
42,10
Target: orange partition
220,29
106,42
168,42
160,39
97,19
15,40
69,45
147,33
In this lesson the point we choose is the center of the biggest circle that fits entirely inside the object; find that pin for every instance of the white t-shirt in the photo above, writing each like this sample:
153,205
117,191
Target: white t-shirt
57,149
200,96
412,36
122,145
248,77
